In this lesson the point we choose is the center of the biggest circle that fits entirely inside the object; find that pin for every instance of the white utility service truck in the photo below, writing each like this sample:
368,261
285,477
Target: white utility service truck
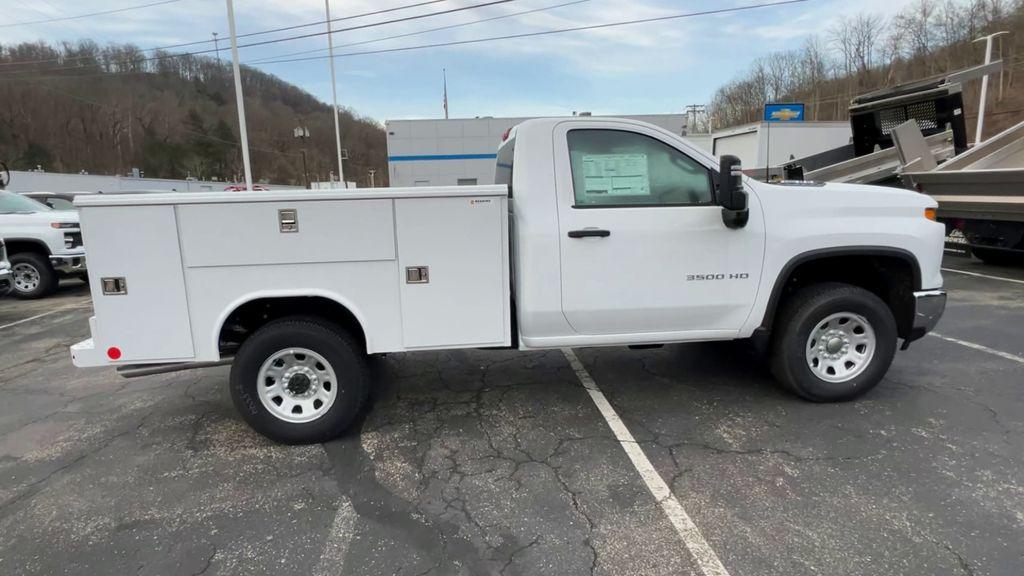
601,232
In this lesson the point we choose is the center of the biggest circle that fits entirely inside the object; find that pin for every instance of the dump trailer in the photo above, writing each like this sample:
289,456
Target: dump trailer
980,192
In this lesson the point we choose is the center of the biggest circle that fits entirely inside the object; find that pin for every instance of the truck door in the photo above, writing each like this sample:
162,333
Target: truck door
642,242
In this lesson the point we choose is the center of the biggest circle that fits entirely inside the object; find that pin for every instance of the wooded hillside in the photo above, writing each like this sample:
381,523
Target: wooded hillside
108,109
864,52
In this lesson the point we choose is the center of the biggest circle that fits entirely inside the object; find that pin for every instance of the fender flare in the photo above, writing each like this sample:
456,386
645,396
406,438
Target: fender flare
822,253
272,294
34,241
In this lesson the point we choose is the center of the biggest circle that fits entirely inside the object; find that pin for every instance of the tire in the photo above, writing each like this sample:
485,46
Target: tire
819,369
997,257
297,361
34,277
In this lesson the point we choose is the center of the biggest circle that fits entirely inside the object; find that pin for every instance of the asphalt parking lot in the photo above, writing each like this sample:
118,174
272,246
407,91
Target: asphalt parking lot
489,462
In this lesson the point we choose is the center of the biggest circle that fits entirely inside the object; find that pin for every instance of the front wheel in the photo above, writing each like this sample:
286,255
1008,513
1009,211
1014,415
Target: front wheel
299,380
33,275
833,342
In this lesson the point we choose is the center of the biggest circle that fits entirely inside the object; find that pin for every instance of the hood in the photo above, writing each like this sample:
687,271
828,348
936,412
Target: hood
838,195
63,216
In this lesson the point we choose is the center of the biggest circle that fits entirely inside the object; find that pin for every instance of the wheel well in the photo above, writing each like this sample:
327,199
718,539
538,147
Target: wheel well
16,246
892,276
249,317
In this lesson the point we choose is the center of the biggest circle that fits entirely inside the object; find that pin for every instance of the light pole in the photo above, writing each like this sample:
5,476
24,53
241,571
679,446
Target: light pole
240,102
372,172
302,133
216,47
334,93
984,84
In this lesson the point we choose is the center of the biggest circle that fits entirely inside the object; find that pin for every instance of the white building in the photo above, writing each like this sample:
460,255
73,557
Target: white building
773,144
463,151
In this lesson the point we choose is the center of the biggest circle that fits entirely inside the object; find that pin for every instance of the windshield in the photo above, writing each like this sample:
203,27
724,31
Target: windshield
11,203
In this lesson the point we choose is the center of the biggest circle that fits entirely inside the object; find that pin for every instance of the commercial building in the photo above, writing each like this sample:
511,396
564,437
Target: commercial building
462,151
440,152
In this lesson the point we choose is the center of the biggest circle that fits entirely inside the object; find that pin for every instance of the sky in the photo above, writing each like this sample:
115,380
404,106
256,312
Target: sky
648,68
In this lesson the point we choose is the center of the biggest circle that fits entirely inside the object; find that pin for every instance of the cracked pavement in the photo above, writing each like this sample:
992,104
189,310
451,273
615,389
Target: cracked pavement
496,462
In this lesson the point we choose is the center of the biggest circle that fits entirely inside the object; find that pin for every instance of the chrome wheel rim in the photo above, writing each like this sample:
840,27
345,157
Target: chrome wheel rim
840,347
297,385
26,277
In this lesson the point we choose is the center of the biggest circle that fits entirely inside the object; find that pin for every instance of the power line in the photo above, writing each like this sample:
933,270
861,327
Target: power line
303,36
307,25
545,32
472,41
90,14
418,32
246,35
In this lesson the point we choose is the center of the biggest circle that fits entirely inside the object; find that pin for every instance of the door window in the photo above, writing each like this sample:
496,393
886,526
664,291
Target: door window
620,168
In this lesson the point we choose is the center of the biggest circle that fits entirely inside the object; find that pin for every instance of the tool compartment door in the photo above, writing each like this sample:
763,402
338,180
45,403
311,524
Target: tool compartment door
149,321
453,270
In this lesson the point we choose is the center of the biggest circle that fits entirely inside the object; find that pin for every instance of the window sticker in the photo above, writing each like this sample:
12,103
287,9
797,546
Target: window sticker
615,175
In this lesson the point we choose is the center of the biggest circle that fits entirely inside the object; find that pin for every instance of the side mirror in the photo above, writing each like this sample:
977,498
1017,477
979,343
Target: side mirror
731,196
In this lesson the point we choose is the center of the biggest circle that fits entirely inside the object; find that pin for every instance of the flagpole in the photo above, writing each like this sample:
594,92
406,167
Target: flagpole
243,133
334,94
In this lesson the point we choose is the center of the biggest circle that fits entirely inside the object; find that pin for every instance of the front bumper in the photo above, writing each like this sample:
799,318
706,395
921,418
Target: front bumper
928,308
6,281
69,264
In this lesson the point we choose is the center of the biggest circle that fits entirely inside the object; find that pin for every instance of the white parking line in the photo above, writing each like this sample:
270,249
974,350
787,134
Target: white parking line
1014,280
37,316
993,351
698,547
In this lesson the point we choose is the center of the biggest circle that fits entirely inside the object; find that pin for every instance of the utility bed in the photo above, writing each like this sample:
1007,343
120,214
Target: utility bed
428,268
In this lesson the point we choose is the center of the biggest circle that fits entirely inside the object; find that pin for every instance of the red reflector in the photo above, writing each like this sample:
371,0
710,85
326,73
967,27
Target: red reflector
113,353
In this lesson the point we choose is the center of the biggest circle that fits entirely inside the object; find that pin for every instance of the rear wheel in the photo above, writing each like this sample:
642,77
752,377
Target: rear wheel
299,380
33,276
996,256
833,342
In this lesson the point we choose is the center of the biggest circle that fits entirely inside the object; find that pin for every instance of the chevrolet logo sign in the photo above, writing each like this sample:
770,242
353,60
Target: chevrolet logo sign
785,114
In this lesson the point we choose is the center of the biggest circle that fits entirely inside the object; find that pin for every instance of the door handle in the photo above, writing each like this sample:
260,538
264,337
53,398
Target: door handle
589,233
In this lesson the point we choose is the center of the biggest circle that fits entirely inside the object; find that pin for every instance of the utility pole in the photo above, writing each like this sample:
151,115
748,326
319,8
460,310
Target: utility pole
302,133
984,84
334,93
693,110
444,81
216,47
243,133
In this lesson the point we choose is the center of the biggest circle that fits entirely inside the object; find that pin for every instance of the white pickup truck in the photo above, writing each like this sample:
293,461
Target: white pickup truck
601,232
43,244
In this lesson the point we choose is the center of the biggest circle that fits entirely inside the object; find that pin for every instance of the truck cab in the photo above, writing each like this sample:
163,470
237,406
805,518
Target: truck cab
599,232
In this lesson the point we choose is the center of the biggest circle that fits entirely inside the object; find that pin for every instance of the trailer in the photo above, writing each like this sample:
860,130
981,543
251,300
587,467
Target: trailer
980,192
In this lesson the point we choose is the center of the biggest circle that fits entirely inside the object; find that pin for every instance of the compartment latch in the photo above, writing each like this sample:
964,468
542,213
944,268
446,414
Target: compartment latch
417,274
288,218
114,286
